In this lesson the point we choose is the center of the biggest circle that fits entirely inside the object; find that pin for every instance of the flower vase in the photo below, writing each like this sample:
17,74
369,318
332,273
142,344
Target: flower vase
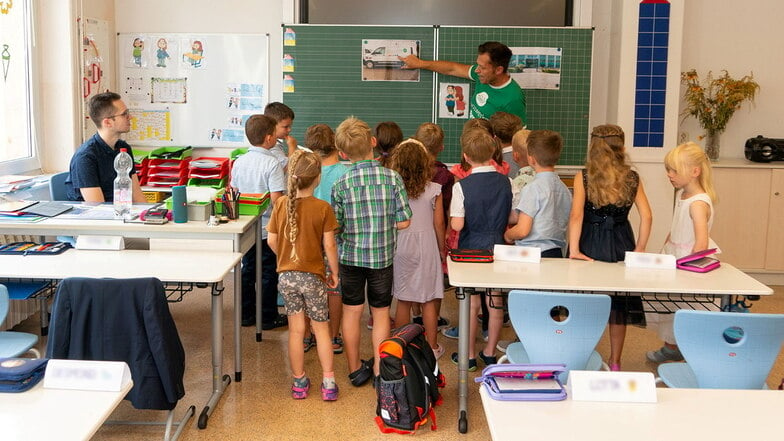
712,146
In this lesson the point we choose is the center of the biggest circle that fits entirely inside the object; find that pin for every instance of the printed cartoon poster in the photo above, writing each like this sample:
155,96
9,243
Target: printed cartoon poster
453,100
194,53
288,84
165,51
381,62
289,37
135,53
289,65
536,67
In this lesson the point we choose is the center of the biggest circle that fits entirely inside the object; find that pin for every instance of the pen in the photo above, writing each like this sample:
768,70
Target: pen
44,246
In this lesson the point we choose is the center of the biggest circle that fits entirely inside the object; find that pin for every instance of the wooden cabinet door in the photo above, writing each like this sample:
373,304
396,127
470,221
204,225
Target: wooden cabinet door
774,259
740,225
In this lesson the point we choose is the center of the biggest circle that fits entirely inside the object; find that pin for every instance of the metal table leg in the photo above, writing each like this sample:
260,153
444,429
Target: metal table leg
219,381
462,358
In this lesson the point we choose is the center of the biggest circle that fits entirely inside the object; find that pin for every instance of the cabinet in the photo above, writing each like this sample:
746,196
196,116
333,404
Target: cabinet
747,221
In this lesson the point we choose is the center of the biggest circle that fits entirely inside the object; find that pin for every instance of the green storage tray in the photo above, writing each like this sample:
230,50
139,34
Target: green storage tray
204,182
247,205
237,153
159,151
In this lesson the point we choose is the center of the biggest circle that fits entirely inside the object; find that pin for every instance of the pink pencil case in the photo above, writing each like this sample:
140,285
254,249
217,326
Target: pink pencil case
699,262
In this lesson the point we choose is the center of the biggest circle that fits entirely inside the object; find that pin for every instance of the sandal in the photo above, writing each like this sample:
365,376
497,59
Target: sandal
308,342
337,345
300,388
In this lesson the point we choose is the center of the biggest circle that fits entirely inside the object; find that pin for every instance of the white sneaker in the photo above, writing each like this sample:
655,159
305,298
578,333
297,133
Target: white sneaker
438,351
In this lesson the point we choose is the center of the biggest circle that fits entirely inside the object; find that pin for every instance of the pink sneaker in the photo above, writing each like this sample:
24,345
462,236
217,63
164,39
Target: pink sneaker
329,394
300,388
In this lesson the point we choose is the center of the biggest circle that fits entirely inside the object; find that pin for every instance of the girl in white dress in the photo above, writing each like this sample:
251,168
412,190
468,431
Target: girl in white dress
689,171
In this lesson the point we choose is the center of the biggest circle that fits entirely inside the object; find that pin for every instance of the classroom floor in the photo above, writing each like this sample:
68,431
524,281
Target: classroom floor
261,408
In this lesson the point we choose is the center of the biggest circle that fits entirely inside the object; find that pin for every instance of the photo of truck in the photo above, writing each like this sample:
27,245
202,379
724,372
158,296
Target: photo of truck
385,53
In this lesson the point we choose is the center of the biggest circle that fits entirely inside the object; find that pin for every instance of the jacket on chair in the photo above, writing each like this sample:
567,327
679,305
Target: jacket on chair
122,320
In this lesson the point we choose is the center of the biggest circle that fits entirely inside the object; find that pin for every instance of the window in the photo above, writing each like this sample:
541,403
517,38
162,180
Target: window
17,146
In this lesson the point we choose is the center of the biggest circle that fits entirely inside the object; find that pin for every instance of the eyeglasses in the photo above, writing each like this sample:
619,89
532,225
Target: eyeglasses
124,114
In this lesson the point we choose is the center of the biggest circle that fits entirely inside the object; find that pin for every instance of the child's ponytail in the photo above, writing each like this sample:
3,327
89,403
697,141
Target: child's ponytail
304,168
688,155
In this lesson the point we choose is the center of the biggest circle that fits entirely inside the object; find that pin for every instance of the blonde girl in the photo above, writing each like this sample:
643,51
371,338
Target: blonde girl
301,230
689,171
420,247
599,227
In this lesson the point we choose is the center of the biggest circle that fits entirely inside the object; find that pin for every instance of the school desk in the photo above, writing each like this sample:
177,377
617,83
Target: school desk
683,414
582,276
201,267
56,413
241,233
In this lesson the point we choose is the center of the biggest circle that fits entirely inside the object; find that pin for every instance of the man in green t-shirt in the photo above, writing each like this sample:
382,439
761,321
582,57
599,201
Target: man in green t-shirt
494,89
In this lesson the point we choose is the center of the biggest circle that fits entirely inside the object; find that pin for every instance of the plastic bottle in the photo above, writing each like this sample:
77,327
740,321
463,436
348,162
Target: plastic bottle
123,188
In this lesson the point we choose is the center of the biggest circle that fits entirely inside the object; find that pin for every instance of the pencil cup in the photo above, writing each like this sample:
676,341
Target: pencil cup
180,204
232,209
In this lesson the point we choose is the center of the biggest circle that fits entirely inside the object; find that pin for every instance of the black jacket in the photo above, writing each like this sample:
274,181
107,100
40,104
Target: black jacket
122,320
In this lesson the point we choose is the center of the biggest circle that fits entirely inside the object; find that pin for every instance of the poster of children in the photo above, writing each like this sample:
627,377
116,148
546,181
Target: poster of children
135,52
165,50
453,100
193,53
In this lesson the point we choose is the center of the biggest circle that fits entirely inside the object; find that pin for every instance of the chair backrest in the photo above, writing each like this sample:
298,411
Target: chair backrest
57,186
3,303
729,350
547,340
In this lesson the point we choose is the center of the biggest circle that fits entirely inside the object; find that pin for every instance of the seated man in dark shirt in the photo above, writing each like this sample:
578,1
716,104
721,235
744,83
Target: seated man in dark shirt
92,166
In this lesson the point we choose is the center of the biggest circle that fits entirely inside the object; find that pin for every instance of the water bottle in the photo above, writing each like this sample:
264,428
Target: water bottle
123,188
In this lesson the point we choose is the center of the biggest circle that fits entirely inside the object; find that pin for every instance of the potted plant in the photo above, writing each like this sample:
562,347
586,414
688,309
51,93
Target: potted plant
713,102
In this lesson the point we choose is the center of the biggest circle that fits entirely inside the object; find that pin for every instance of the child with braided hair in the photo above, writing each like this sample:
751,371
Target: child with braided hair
301,230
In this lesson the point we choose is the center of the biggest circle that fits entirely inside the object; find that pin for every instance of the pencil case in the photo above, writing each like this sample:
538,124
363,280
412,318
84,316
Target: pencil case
699,262
20,374
523,382
34,248
471,255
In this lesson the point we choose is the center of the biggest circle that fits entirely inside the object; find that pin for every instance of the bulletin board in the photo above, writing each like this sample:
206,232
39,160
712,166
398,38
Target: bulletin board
326,84
192,89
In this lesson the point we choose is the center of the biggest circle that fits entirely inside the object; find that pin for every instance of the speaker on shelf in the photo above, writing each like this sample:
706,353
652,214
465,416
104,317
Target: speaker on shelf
762,149
180,204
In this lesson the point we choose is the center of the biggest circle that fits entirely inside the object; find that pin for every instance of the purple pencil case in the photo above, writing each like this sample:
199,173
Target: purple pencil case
699,262
523,382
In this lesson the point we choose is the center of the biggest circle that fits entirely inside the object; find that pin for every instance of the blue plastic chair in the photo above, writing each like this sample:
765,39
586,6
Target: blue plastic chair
546,340
14,344
57,186
724,350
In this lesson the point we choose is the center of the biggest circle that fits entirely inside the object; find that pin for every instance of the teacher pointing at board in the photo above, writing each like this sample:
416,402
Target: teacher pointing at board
494,88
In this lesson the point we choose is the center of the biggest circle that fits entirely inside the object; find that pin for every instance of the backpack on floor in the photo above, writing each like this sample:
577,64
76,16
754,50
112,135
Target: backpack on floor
407,386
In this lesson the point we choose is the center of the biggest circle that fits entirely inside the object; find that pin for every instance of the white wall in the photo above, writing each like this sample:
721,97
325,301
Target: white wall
741,38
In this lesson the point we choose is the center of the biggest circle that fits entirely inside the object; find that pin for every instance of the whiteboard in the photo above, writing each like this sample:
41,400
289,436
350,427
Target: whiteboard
192,89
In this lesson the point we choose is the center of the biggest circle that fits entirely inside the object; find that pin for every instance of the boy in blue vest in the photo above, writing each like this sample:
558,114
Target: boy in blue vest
371,204
479,211
542,215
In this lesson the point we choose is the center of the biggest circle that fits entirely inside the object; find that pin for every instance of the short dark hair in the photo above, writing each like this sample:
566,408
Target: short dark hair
321,139
499,53
258,127
545,146
102,106
278,111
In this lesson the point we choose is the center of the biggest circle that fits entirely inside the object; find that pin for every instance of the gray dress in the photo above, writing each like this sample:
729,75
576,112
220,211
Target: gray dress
417,266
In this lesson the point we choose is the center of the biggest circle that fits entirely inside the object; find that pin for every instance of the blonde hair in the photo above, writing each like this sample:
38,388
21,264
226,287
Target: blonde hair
353,138
688,155
411,160
482,124
478,145
304,169
611,180
432,136
520,143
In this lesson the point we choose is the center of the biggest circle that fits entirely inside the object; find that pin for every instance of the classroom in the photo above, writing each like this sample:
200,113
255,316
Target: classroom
703,35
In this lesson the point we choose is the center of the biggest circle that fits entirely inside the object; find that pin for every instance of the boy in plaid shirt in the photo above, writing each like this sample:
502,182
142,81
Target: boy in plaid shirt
370,205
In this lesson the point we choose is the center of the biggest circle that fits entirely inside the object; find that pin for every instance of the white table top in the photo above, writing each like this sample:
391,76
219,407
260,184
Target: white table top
679,414
580,275
168,266
49,414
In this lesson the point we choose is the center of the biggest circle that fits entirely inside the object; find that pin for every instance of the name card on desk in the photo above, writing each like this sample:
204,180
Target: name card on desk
110,243
649,260
515,253
108,376
632,387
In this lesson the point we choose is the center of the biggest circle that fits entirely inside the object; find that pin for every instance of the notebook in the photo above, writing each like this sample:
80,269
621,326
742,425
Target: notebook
48,208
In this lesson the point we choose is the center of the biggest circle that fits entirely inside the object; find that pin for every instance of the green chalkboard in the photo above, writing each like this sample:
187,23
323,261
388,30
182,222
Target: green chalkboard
328,74
564,110
328,81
